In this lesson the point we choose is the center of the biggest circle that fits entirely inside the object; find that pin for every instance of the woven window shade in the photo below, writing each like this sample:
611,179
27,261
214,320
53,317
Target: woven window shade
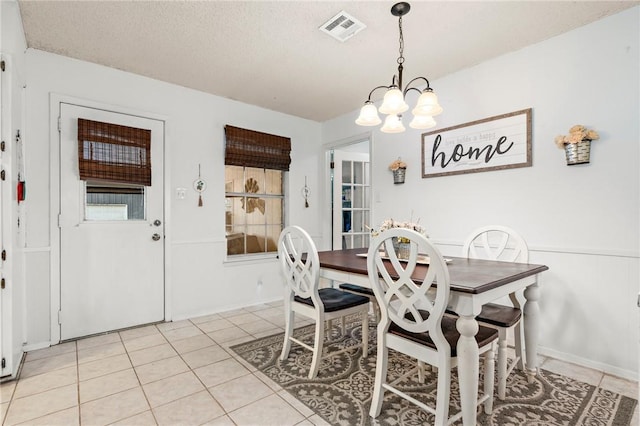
113,153
255,149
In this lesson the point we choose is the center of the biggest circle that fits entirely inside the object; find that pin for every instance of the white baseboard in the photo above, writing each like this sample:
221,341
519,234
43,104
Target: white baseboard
605,368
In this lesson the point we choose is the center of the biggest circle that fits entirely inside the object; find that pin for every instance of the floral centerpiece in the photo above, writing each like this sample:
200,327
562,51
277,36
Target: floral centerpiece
577,144
400,244
390,223
577,133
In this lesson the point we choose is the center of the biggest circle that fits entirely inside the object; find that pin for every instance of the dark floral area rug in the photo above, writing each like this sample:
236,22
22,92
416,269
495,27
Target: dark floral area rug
341,393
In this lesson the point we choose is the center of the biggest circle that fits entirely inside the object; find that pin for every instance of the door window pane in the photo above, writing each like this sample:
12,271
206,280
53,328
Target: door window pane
358,197
114,202
346,172
358,172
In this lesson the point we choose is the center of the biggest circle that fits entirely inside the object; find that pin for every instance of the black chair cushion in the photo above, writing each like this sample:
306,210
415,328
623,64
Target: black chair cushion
335,300
484,336
357,289
498,315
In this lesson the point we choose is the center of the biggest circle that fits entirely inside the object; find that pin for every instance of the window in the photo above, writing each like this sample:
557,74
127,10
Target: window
114,202
254,190
115,163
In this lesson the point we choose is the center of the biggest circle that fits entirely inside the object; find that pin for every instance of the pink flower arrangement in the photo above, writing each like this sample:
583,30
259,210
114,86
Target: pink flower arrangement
397,164
576,134
390,223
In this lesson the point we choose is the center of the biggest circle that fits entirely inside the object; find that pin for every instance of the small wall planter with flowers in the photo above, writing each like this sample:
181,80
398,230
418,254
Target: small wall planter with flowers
398,167
577,144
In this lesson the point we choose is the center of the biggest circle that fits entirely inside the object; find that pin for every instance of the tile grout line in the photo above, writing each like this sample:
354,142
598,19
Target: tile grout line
234,356
78,383
198,377
139,382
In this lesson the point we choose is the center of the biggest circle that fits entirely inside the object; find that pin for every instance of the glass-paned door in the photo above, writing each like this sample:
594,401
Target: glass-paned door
351,200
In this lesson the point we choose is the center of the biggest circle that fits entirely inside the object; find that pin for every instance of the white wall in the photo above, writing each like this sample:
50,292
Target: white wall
581,221
200,282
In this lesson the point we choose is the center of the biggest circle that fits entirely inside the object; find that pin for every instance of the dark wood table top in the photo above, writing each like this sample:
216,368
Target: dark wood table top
467,275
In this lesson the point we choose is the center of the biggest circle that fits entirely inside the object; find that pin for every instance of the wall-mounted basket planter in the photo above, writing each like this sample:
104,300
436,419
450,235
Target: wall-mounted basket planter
578,153
398,175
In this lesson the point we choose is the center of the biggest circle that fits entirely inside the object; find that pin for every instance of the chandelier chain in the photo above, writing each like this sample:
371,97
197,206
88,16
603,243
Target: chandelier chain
394,102
401,41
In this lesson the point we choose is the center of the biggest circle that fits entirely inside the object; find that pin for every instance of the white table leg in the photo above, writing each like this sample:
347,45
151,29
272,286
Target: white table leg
468,361
518,335
531,327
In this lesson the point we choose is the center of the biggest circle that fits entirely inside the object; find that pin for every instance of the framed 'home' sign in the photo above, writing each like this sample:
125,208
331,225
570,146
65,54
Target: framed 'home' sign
494,143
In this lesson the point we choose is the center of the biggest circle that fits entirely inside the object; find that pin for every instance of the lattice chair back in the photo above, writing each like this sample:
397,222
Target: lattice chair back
401,292
496,242
300,264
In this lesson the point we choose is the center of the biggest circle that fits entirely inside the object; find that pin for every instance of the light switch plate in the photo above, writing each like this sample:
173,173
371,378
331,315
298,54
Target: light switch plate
181,193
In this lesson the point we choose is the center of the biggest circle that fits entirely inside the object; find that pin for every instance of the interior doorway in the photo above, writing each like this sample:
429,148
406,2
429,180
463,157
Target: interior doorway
350,195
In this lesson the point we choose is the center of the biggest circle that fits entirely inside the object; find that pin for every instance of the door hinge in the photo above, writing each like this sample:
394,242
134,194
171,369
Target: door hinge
60,317
2,284
2,65
2,146
59,124
3,175
3,256
4,363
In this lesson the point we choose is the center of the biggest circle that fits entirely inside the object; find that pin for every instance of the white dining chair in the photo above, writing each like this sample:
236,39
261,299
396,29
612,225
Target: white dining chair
300,266
363,291
413,323
497,242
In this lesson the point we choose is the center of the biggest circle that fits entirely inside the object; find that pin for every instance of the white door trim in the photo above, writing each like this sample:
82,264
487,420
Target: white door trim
55,100
326,217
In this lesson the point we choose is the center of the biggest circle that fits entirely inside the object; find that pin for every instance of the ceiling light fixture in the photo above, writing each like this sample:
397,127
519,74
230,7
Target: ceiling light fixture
394,100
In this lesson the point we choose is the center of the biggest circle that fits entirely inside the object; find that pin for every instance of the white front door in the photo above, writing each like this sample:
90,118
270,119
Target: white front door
351,200
111,264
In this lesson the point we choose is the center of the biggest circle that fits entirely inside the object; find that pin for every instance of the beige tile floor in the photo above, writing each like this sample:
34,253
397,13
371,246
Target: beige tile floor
178,373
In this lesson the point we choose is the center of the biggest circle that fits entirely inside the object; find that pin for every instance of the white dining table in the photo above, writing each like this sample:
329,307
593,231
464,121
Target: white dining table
474,282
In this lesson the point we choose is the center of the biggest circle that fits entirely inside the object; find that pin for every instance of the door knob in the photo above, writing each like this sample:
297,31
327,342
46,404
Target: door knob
155,237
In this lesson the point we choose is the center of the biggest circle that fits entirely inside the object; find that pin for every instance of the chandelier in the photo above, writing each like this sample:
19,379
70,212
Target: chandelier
394,103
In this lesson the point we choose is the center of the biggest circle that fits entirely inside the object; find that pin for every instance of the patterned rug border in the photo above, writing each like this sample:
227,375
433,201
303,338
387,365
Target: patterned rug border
342,383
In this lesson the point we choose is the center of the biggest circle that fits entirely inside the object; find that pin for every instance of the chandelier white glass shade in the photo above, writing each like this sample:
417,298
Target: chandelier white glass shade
393,124
394,104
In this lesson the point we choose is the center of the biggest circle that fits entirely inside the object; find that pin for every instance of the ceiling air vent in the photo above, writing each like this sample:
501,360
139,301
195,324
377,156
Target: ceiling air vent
342,26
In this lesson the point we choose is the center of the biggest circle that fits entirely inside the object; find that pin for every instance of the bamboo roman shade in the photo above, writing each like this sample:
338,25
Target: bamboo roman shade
255,149
109,152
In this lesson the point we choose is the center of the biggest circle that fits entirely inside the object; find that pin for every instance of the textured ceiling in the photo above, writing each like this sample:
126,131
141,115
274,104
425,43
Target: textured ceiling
271,53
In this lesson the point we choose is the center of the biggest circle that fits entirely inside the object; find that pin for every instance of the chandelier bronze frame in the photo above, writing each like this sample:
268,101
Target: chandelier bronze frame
394,100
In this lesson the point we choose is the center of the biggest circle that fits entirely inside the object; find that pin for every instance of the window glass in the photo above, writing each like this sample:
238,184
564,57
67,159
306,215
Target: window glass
114,202
358,172
254,204
273,184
